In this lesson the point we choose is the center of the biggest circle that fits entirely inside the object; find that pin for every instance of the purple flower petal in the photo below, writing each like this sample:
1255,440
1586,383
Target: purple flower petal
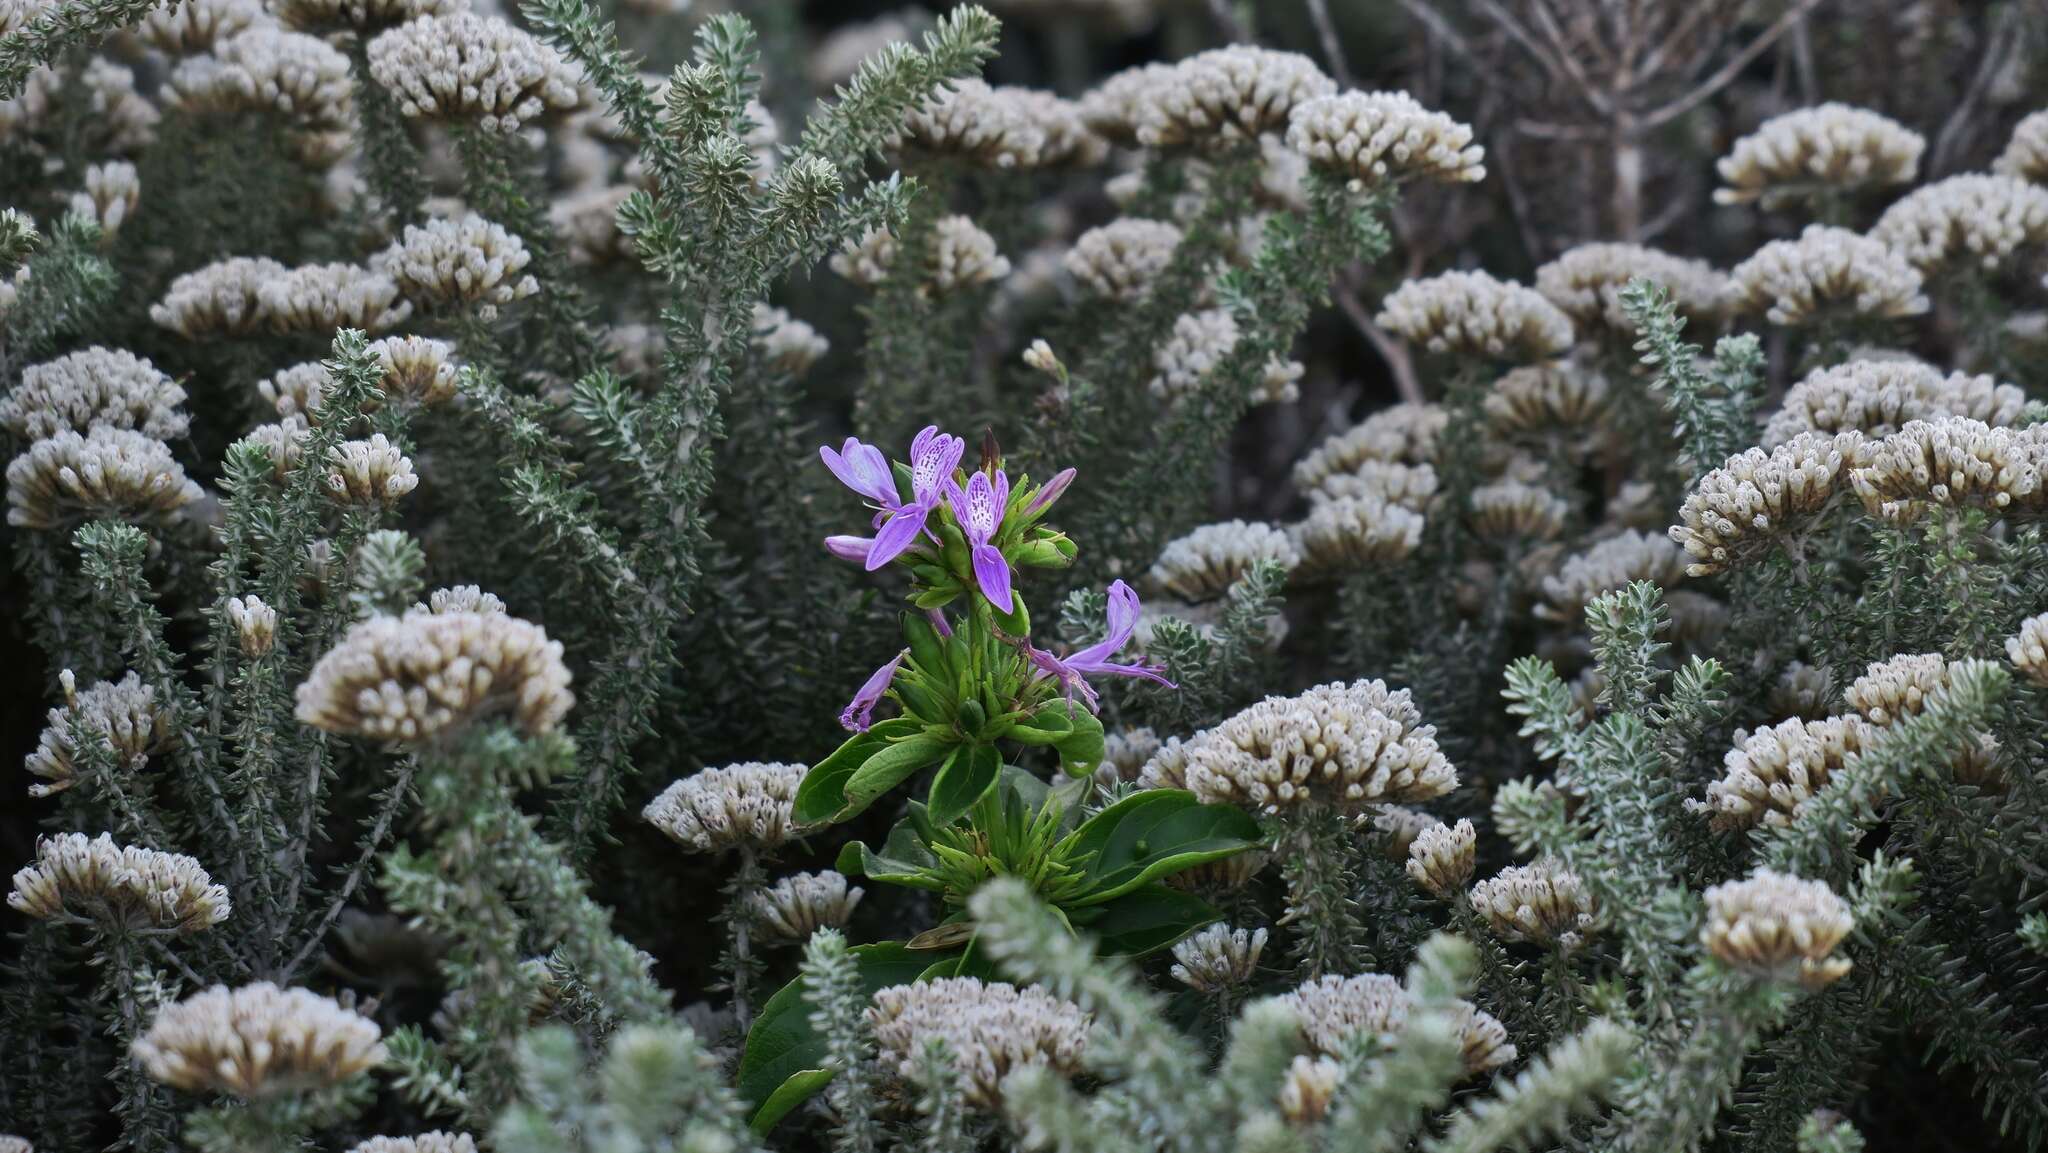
862,468
897,535
853,548
859,713
1048,493
992,573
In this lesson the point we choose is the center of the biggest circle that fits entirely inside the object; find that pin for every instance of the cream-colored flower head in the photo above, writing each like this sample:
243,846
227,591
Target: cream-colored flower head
296,391
258,1041
1509,510
1401,825
1226,96
1440,858
461,599
122,121
473,69
1543,903
1412,486
1354,532
1379,138
1832,147
1204,564
1335,1010
1793,282
255,624
1309,1088
1218,959
124,714
993,127
1614,563
284,440
1472,314
1970,221
1122,259
196,26
1067,139
1770,773
358,15
221,299
1898,687
786,343
458,263
1402,434
834,59
990,1028
2028,649
1878,397
1124,753
748,805
1804,691
111,194
1541,399
369,473
416,369
1778,927
1198,343
1349,746
796,906
320,298
423,675
435,1141
113,473
867,260
99,387
267,69
2026,154
91,879
1586,282
588,223
1759,498
961,256
1111,108
1953,461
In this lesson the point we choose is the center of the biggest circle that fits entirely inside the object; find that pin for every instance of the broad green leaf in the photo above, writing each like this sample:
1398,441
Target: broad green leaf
1144,920
782,1043
1154,834
823,791
904,859
927,648
969,773
1081,750
1016,622
889,768
792,1092
1050,724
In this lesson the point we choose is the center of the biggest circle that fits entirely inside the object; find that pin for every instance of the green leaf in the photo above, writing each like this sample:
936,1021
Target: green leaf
1150,835
936,598
788,1095
1050,724
889,768
927,648
1144,920
782,1044
904,859
1016,622
1081,750
823,791
969,773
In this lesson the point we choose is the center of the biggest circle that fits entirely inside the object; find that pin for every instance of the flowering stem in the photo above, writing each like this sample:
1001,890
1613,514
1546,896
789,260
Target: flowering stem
740,893
1320,907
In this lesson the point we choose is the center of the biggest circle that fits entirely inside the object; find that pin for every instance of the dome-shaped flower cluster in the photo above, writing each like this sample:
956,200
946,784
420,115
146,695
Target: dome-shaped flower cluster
1827,147
1586,282
796,906
1509,510
474,69
2028,649
267,69
1953,461
1001,127
1537,400
1966,221
258,1041
749,805
112,193
1899,686
961,255
124,714
1759,498
1403,434
1204,564
1225,96
1440,858
96,387
114,473
1335,1011
319,298
219,300
1472,314
1378,138
416,369
1110,109
1198,343
1411,486
1347,533
81,878
1542,903
990,1028
1121,259
457,263
2026,154
1778,927
369,473
197,26
1219,958
1770,773
1614,563
416,677
1793,282
1879,397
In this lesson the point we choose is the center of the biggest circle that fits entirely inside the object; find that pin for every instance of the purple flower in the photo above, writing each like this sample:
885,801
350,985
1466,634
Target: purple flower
1094,660
853,548
859,713
1048,493
939,624
862,467
979,509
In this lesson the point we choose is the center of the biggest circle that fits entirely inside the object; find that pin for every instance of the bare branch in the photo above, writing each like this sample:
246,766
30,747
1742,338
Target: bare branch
1705,90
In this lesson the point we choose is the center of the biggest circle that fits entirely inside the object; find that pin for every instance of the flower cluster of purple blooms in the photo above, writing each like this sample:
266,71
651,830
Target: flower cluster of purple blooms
978,507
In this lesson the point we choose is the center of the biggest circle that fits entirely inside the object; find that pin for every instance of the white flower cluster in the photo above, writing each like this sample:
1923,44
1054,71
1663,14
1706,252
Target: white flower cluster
1224,96
122,120
1377,138
296,391
2026,154
785,342
1122,259
1542,903
1879,397
1971,220
369,473
1898,687
1111,108
1347,533
255,624
112,192
461,599
1198,343
258,1041
265,68
476,69
1412,486
416,677
319,298
1509,510
796,906
76,877
2028,649
1586,282
96,387
1401,434
469,261
1778,927
1472,314
1794,281
358,15
1951,461
1204,564
1001,127
222,299
196,26
1335,1011
433,1141
1829,146
1218,959
1770,773
416,369
745,805
115,473
124,714
1761,497
962,256
1349,746
1611,564
1440,858
1536,399
989,1027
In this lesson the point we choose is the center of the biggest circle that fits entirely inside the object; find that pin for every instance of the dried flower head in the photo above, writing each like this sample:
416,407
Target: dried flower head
2026,154
431,1142
1411,486
989,1027
1309,1087
91,879
319,298
1219,959
1402,434
416,369
796,906
1120,260
1794,281
108,473
1899,686
124,714
111,194
1344,534
97,387
1225,96
1540,399
266,69
1614,563
1441,858
1512,511
1878,397
475,69
1344,745
1204,564
369,473
1770,773
1472,314
1586,282
1830,147
1333,1010
1760,499
464,262
1378,138
357,15
1542,903
258,1041
1953,461
255,624
1778,927
423,675
1966,221
221,299
746,805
